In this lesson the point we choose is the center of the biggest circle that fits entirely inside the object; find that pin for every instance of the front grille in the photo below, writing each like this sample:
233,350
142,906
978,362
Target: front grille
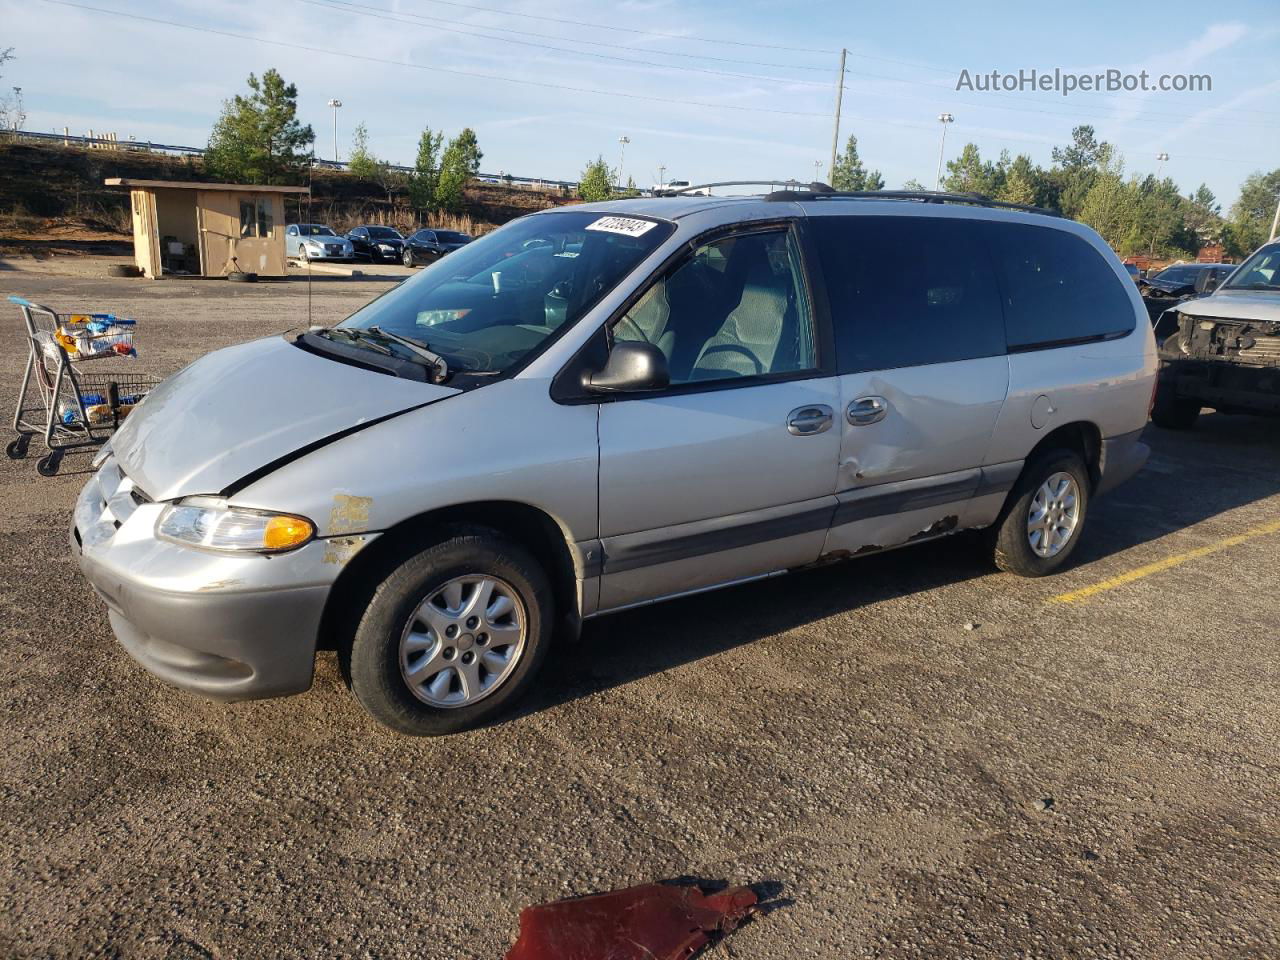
108,500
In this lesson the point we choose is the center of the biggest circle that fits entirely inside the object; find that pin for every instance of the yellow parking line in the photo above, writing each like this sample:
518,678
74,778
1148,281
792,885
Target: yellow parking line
1084,593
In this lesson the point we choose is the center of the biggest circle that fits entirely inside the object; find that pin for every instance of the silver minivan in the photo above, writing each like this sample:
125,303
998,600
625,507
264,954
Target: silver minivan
608,405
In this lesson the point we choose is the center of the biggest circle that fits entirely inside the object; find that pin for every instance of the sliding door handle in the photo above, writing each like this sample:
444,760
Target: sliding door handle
807,421
866,410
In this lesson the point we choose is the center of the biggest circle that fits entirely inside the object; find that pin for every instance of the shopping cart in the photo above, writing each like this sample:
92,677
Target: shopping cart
68,405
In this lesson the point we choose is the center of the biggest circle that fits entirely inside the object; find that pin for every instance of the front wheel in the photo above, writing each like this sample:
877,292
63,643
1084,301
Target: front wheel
1042,522
452,636
408,258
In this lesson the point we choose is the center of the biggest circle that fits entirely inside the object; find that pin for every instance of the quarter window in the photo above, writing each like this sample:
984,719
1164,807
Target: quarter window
736,308
908,291
1057,289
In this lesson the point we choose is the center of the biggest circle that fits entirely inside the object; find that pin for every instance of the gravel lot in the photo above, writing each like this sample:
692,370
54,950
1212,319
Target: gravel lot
1093,778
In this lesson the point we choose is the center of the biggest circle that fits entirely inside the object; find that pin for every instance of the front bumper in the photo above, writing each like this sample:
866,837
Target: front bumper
1225,386
228,627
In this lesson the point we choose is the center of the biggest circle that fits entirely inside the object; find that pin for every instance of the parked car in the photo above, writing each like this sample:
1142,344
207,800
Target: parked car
1223,350
1180,282
315,241
604,406
1135,274
377,243
428,246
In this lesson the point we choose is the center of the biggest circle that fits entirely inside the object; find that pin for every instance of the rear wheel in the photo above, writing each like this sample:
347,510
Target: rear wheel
1042,522
1172,411
453,636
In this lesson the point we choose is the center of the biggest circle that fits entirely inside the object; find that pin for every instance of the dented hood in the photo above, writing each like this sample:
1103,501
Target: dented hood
1235,305
238,410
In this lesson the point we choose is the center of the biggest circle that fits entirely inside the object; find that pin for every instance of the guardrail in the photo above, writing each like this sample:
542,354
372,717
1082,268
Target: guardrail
148,146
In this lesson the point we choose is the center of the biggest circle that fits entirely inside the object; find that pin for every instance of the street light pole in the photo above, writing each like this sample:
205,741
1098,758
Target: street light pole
662,176
1161,158
944,119
1275,221
335,104
622,157
817,169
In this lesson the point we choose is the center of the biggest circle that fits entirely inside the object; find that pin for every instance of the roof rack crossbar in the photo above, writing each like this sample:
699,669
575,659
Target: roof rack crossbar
787,185
921,196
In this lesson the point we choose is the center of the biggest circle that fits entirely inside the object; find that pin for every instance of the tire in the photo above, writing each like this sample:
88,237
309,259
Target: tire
374,658
17,448
123,270
47,466
1011,540
1173,412
408,259
238,277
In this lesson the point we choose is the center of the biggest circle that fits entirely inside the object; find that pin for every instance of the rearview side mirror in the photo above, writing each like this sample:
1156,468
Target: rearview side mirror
631,367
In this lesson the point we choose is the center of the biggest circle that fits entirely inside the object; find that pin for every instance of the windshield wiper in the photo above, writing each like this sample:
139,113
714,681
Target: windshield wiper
418,348
355,333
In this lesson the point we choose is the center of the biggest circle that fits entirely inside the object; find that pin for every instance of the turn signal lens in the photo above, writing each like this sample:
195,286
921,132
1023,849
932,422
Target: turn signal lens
284,532
210,523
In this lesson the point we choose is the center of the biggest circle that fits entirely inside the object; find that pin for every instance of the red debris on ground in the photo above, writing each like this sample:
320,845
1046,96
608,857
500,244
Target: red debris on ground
655,921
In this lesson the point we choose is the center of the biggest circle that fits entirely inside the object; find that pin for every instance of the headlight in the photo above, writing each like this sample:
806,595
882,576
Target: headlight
210,523
385,246
100,457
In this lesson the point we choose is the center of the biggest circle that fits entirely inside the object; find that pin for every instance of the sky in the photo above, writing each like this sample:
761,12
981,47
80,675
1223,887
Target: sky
707,90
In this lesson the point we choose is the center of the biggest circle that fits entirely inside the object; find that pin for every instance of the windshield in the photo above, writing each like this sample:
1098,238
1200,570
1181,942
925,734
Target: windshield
1259,272
1181,274
384,233
314,230
487,305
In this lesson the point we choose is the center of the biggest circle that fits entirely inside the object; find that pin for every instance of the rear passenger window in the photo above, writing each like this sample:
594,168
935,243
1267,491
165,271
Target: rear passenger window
1057,288
907,291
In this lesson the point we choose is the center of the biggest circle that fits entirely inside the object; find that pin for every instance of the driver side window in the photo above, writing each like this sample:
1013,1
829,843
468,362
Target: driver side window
736,308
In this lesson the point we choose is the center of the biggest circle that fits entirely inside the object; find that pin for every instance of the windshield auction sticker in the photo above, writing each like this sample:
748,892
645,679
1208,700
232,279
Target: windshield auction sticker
627,226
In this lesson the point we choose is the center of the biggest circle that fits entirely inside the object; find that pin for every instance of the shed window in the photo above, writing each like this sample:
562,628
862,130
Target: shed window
255,218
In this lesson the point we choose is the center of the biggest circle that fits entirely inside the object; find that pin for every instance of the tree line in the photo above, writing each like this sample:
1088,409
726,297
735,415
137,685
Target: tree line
1136,215
258,139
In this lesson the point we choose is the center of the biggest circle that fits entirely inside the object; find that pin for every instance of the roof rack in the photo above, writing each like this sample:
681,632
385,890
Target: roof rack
920,196
789,187
793,190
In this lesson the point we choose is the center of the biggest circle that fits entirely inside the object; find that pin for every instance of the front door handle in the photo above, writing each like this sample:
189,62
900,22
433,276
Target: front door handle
810,420
867,410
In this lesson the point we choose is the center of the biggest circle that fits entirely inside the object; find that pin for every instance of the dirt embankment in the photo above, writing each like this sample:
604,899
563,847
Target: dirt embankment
53,199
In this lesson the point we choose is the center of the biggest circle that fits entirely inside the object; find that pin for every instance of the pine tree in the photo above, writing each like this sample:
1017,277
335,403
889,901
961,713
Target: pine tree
596,182
426,171
258,138
850,174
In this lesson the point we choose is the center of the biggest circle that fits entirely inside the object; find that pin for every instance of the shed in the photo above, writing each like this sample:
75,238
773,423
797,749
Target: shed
207,229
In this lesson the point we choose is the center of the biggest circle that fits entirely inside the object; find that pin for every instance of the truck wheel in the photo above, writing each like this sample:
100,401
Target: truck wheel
1172,411
452,636
1043,519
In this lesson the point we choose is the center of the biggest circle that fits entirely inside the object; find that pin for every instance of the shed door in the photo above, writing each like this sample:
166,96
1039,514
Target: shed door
219,231
146,233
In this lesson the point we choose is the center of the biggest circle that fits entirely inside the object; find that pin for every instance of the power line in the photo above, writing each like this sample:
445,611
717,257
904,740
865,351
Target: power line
365,12
435,69
617,29
592,43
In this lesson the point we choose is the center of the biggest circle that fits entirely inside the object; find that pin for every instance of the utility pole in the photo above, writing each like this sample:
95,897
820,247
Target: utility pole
335,104
817,169
944,119
662,176
835,129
